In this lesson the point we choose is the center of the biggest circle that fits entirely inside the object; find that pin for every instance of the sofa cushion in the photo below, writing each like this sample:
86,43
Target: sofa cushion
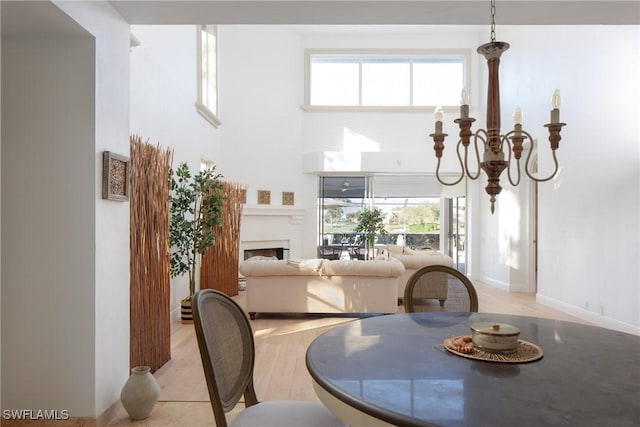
377,267
270,267
313,267
421,259
314,263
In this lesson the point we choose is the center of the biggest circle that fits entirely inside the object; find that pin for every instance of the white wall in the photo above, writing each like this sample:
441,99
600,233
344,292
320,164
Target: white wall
588,215
111,223
163,96
261,81
164,93
67,102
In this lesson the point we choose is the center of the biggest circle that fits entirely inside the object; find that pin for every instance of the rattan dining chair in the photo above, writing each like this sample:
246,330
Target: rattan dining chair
439,288
227,350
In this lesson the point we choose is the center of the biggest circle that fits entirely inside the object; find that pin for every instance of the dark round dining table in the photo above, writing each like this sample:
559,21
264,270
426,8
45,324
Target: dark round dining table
395,370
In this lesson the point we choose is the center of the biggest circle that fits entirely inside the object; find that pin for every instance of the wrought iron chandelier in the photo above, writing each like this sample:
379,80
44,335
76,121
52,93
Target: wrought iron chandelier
496,146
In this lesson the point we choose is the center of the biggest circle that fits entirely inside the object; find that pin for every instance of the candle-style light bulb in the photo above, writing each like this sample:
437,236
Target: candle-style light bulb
556,100
439,114
464,103
517,122
464,96
517,116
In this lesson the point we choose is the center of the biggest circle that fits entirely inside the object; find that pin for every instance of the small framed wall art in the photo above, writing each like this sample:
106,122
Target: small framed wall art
287,198
116,170
264,197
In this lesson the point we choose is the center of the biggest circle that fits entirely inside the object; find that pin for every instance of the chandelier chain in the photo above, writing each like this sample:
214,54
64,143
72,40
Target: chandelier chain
493,21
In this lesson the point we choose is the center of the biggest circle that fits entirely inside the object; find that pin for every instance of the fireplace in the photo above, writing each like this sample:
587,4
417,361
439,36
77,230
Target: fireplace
280,253
268,248
270,231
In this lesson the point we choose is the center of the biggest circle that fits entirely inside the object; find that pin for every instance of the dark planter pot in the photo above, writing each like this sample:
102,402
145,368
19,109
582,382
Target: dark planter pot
185,311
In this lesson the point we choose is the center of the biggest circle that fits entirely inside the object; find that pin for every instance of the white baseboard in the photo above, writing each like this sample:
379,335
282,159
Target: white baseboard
495,283
588,316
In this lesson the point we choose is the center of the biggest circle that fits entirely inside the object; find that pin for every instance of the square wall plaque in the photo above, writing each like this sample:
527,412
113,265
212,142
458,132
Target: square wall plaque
287,198
264,197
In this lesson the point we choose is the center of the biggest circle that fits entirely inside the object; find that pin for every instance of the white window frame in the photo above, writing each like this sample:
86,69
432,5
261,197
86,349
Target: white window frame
207,109
465,54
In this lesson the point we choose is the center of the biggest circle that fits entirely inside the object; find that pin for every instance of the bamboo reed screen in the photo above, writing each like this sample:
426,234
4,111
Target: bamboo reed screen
219,269
149,264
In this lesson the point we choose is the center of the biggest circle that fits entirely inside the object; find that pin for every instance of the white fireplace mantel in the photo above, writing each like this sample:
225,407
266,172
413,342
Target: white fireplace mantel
295,215
265,226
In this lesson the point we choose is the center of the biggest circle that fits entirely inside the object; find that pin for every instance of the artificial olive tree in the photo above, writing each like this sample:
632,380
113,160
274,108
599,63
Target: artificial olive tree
196,207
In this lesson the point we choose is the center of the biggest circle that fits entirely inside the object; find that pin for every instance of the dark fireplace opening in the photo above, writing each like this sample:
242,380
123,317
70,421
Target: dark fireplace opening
268,252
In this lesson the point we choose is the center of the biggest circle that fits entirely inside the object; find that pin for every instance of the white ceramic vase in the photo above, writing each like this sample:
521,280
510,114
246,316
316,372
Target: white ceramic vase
140,393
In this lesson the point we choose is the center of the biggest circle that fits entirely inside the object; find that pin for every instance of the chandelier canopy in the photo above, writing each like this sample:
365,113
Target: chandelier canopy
497,147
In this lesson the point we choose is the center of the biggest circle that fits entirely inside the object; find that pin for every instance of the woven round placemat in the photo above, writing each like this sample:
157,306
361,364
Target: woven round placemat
526,352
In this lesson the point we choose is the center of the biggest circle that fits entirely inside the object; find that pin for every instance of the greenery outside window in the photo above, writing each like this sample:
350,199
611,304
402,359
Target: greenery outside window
411,217
388,80
207,104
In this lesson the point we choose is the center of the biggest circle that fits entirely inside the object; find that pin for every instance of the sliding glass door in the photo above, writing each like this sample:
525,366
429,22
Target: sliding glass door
410,206
456,235
413,222
340,198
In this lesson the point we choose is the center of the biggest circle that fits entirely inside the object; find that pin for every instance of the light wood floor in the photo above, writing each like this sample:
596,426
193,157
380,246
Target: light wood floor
280,371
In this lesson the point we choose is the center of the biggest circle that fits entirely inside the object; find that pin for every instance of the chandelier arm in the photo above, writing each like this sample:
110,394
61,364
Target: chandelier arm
461,166
505,141
548,178
475,146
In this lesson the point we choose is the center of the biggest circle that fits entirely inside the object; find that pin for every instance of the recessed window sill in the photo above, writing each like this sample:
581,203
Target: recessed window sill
208,114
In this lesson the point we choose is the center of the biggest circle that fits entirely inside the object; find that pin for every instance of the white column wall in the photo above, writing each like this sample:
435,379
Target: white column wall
49,224
66,277
111,230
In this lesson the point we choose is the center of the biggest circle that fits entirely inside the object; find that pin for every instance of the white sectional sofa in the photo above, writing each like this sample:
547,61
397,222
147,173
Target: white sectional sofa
321,286
414,260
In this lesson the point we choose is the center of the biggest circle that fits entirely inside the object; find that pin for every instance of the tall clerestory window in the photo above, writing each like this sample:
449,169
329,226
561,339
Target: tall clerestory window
207,103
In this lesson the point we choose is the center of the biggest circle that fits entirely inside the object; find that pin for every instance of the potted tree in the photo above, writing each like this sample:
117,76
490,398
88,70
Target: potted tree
196,205
370,223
